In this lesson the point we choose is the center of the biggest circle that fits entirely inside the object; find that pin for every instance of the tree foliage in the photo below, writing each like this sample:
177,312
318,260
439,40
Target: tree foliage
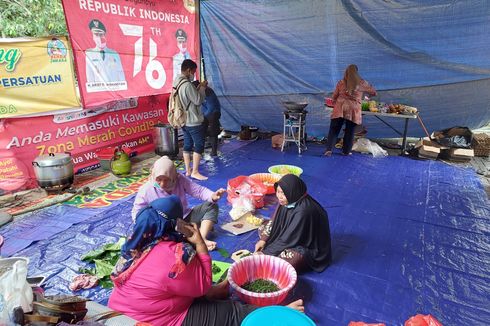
35,18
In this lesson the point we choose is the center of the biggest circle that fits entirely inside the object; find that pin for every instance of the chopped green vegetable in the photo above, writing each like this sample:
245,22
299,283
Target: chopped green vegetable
223,277
246,255
223,252
216,269
260,286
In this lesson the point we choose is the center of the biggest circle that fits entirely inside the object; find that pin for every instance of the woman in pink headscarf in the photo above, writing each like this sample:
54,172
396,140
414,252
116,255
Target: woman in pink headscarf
165,181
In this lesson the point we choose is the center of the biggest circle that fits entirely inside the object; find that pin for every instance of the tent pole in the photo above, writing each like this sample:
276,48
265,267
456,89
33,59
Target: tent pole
198,15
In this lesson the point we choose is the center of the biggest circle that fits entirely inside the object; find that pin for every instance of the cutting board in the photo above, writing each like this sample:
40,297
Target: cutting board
224,268
241,225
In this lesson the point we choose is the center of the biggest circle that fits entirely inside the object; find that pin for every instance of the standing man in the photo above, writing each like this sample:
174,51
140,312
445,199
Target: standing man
194,133
211,110
181,38
103,65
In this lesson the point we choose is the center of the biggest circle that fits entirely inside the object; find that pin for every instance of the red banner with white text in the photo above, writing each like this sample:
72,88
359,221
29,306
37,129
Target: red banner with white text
130,48
127,123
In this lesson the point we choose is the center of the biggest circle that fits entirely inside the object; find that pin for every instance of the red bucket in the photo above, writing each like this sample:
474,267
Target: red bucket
266,267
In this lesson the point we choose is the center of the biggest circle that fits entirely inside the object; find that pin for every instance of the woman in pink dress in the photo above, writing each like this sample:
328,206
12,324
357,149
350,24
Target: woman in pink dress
165,278
347,99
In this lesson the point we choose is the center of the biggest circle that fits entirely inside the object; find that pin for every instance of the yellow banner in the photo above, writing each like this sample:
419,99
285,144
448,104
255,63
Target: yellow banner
36,76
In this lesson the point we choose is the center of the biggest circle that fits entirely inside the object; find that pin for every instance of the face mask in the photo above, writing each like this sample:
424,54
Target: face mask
290,205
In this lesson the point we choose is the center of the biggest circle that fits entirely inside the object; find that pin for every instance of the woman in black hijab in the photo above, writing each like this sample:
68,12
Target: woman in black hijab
299,231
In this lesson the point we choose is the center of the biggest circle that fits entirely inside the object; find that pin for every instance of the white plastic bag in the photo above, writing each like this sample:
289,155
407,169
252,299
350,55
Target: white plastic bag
14,289
364,145
241,206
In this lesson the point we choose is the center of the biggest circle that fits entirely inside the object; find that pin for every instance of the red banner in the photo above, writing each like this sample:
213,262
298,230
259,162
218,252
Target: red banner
128,123
130,48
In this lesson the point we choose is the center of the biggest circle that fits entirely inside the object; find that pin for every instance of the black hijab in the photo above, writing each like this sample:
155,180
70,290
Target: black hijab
304,227
293,187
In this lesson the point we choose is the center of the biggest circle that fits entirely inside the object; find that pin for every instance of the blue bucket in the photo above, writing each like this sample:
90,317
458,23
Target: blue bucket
277,315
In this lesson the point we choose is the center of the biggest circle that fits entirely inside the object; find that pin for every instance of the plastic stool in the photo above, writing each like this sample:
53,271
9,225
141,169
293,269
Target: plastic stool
277,315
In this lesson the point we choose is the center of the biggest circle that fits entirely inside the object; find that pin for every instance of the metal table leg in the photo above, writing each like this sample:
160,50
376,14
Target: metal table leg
283,134
404,142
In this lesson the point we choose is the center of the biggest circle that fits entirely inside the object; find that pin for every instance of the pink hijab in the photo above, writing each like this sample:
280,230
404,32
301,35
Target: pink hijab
164,166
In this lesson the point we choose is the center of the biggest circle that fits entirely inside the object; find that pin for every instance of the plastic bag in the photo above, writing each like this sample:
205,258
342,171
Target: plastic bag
364,145
14,289
459,137
241,206
245,187
422,320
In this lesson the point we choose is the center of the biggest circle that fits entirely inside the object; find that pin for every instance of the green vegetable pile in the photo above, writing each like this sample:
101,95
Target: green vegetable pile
105,258
365,106
261,286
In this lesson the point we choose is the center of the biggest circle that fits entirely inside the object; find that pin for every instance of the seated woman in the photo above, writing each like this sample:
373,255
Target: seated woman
164,278
299,231
164,181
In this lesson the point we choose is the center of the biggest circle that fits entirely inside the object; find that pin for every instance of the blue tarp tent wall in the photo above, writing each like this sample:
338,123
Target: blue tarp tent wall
431,54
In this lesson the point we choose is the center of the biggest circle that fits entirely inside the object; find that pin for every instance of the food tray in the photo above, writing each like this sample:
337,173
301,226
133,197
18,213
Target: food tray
284,169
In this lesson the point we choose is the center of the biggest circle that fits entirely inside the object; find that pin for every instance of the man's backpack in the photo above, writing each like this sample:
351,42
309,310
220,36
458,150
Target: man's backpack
177,114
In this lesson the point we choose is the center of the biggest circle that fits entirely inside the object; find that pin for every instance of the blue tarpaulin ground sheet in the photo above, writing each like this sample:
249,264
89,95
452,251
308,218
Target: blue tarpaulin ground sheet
407,236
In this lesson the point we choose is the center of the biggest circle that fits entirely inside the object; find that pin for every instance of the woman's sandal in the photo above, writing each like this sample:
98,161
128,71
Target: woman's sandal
328,153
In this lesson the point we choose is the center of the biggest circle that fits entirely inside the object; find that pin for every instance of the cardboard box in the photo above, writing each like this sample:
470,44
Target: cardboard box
464,152
457,154
428,149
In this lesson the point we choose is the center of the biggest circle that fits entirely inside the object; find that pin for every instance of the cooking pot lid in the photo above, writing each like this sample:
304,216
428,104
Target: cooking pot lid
53,159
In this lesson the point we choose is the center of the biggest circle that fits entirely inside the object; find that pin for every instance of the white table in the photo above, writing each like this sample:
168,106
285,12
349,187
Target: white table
380,116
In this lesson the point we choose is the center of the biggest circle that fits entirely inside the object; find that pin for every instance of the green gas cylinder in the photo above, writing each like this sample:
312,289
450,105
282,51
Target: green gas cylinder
120,163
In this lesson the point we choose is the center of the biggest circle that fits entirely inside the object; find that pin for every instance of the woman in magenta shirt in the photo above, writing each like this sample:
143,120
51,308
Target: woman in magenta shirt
163,278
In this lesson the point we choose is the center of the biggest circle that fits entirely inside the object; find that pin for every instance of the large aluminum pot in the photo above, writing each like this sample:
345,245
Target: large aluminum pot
166,140
54,171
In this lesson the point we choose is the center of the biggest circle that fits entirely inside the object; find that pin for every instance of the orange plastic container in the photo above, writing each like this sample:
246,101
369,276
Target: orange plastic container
268,180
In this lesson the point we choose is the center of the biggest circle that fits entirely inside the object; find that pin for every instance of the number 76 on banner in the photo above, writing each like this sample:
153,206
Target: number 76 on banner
153,65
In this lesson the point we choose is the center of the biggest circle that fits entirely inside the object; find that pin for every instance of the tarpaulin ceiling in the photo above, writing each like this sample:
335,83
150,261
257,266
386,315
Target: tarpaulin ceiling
429,54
